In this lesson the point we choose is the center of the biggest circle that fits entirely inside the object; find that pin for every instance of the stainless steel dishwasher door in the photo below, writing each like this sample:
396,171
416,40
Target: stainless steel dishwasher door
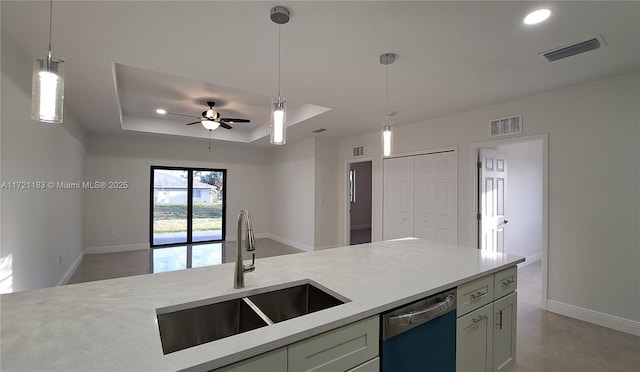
420,336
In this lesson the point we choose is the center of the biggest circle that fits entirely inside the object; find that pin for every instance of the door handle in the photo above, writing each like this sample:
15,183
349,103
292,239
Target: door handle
503,223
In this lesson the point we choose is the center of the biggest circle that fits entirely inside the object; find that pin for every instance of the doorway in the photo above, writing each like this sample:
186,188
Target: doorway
360,202
518,223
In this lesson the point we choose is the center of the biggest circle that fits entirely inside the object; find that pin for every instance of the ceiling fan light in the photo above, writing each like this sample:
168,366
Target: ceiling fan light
212,114
210,124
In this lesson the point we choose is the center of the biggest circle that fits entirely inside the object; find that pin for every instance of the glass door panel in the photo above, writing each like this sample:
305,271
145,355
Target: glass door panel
207,208
170,206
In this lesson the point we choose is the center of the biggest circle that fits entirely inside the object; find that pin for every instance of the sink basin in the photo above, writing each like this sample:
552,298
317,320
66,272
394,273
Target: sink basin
292,302
190,327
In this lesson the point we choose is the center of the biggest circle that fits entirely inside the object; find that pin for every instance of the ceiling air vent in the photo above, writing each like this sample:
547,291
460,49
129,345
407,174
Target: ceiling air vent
506,126
358,151
572,50
319,130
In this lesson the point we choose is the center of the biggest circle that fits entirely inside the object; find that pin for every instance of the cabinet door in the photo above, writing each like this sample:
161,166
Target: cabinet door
436,198
275,360
504,336
371,366
474,343
337,350
398,204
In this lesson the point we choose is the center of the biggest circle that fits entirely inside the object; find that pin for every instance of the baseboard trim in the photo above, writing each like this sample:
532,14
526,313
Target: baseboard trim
327,247
282,240
361,227
232,238
595,317
72,269
530,259
116,248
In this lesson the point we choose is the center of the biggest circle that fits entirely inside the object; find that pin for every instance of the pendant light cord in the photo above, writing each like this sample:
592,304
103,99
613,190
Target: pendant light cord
387,113
278,62
50,24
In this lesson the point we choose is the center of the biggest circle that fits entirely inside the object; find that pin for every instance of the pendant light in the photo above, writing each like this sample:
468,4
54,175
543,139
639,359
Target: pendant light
278,128
47,89
387,125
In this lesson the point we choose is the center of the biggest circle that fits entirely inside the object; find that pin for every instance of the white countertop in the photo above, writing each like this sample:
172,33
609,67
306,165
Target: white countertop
110,325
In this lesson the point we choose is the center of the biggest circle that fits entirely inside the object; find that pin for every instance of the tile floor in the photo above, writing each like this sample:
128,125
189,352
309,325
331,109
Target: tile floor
552,342
120,264
546,341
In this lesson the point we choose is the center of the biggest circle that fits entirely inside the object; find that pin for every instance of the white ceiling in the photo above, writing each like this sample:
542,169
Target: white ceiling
450,56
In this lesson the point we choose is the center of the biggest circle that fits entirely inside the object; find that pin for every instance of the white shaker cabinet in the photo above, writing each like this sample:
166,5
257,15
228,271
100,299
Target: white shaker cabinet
474,340
275,360
504,335
487,323
338,350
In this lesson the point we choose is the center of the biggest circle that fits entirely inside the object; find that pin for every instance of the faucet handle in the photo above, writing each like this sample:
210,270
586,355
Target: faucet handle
252,266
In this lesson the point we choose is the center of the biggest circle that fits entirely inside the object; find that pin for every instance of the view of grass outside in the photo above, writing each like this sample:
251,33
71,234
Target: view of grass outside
172,217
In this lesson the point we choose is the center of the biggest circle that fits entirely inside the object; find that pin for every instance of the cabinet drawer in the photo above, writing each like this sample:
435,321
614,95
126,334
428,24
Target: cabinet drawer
505,282
337,350
474,295
371,366
275,360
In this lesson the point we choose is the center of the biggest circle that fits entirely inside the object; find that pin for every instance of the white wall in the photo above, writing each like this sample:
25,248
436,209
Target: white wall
292,197
523,207
327,188
41,236
119,219
594,179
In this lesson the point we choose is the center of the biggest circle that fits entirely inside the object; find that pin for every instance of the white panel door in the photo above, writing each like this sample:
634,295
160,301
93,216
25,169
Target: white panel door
493,187
398,198
436,197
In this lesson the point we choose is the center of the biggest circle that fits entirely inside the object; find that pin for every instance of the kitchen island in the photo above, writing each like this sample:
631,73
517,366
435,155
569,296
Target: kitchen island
111,325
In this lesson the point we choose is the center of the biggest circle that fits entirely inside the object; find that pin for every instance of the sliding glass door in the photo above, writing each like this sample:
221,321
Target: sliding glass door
187,205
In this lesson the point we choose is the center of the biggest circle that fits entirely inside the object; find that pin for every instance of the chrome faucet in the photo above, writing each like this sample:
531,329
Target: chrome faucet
241,268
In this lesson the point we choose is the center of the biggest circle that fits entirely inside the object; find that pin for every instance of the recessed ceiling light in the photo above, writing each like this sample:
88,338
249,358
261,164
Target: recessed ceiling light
537,16
161,111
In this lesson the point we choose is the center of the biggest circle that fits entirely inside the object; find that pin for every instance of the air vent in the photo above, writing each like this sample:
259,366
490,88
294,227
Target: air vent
358,151
572,50
506,126
319,130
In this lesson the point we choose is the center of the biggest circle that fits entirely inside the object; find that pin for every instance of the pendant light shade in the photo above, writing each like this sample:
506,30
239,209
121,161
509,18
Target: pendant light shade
278,127
47,89
278,119
387,138
387,125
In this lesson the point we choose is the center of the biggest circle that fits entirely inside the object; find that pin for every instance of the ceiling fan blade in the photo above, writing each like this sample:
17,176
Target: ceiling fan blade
232,120
195,122
225,125
189,116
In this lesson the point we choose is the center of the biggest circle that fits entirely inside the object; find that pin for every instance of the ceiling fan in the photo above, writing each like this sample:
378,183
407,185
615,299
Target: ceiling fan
211,119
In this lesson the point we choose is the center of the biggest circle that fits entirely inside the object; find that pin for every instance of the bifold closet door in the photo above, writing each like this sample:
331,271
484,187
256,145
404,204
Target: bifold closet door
436,195
398,201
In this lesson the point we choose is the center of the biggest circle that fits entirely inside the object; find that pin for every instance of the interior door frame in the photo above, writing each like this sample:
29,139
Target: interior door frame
347,215
474,147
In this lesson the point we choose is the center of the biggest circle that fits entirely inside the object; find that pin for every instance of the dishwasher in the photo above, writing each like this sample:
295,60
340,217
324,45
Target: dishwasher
420,336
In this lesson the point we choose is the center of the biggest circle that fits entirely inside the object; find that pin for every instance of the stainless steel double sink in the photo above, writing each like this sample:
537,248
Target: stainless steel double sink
198,324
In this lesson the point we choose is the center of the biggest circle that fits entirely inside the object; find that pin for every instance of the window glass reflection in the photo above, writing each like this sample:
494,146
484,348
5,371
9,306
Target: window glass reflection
185,257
